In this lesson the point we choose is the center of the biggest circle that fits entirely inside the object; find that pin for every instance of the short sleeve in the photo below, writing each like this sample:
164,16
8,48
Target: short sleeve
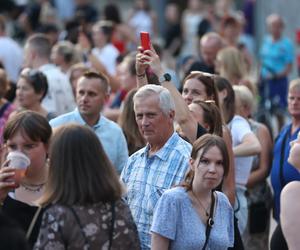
165,216
240,128
227,212
289,52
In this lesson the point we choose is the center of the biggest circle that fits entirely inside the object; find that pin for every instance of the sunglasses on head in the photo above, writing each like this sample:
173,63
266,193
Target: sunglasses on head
202,73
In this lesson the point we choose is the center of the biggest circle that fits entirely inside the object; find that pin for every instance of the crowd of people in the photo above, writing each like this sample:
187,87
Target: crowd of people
134,148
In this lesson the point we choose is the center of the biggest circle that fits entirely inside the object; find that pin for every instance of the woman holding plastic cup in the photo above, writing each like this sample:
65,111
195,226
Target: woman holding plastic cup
26,136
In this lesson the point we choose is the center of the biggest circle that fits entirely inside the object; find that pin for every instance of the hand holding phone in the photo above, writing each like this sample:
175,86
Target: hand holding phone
145,40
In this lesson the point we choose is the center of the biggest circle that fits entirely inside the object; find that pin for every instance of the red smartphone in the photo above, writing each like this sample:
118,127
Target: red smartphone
145,40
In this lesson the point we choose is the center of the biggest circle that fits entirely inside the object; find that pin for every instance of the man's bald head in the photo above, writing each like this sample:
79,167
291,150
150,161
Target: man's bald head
210,44
275,25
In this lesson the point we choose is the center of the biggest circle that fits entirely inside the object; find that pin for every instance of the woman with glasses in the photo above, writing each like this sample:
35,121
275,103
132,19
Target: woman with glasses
32,87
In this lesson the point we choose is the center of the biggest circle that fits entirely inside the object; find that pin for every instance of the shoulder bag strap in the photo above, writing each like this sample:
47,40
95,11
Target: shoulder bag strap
86,241
210,221
33,221
282,156
111,232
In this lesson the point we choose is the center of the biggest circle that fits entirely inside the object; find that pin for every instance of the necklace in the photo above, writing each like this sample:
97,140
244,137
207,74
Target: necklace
206,210
33,188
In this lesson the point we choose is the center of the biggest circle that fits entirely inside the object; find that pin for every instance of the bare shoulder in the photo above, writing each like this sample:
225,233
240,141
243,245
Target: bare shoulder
289,195
263,130
226,134
291,190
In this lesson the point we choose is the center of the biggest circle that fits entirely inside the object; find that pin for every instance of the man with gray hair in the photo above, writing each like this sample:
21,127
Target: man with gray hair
161,164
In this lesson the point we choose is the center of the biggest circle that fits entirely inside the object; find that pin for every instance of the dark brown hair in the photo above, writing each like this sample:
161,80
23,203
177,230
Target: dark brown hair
228,108
4,83
129,126
37,80
80,172
211,116
204,143
29,123
2,23
208,81
106,27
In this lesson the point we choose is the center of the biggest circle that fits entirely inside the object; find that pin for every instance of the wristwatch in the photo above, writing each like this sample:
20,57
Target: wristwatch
165,78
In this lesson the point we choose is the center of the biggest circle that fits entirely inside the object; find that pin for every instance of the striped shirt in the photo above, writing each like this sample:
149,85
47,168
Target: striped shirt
148,177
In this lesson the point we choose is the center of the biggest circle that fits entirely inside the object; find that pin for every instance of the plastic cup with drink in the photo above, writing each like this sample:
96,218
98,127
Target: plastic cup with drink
20,162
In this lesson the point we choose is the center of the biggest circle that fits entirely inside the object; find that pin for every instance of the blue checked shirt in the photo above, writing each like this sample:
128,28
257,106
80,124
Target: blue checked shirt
148,177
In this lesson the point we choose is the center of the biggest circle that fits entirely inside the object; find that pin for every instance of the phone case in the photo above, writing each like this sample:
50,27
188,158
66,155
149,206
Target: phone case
145,40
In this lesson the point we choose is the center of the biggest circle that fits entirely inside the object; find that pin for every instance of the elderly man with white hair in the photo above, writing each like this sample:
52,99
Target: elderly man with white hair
158,166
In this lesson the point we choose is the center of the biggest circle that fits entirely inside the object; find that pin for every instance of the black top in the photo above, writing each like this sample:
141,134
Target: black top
200,131
22,213
201,66
173,32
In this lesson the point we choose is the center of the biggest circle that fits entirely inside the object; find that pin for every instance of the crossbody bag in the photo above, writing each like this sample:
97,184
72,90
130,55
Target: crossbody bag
210,221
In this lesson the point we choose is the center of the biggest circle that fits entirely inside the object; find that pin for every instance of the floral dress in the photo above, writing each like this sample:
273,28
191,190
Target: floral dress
60,229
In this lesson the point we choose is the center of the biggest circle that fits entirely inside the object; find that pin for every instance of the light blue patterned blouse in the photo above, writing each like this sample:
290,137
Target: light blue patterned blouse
175,218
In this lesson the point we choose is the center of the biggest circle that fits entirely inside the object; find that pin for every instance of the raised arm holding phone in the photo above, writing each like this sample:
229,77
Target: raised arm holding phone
183,116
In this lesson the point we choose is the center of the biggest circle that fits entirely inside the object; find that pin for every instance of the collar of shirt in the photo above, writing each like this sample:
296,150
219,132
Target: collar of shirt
80,120
164,152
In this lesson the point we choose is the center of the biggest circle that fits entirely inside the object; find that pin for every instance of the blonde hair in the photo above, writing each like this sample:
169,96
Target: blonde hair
233,64
245,96
294,84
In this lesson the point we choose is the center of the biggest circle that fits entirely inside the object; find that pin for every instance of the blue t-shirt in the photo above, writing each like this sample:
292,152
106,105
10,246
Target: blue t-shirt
175,218
288,171
275,55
